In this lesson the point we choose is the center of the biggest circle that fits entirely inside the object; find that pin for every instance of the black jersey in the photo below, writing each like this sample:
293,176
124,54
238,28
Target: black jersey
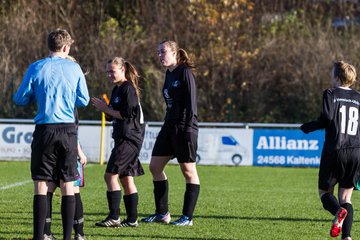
339,117
132,127
179,92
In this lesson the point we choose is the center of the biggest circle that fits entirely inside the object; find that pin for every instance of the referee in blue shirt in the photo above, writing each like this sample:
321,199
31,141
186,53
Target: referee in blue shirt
58,86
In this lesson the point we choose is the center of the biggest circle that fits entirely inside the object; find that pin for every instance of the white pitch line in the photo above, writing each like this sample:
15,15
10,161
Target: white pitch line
25,182
15,185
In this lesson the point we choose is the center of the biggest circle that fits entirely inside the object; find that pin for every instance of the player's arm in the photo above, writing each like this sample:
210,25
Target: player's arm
106,99
325,117
311,126
113,113
190,98
101,105
108,117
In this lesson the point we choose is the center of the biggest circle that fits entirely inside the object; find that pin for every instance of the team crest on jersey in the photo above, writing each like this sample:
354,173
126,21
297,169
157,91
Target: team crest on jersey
116,100
166,93
176,83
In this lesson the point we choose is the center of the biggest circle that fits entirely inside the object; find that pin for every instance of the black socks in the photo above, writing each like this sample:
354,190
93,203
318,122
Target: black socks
79,215
161,191
114,199
67,213
47,229
78,218
39,215
190,199
347,224
330,203
131,203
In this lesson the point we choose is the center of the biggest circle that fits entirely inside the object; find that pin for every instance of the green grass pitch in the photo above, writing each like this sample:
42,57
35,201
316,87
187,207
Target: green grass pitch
234,203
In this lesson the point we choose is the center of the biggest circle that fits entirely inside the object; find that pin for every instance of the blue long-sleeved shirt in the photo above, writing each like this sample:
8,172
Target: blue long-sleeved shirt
58,86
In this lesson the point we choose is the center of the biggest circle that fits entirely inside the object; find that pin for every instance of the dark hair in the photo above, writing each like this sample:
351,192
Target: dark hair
130,72
58,38
181,55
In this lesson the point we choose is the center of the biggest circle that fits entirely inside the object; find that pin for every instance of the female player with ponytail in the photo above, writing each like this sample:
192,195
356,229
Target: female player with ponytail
128,133
178,136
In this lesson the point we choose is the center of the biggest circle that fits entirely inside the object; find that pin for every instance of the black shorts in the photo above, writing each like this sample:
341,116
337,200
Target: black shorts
340,166
79,182
54,152
173,141
124,160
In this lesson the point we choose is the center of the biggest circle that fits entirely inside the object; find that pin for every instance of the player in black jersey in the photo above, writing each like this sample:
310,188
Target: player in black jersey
128,133
340,160
178,136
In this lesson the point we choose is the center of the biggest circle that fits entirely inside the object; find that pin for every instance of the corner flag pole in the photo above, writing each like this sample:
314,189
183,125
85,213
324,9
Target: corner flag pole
102,141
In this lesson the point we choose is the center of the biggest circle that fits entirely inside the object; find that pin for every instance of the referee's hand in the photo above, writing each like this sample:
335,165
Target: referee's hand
82,156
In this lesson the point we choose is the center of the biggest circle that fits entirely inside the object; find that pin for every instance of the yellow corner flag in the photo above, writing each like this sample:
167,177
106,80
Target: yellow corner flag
103,121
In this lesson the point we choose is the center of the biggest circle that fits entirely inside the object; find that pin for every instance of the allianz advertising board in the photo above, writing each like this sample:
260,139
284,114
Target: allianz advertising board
288,148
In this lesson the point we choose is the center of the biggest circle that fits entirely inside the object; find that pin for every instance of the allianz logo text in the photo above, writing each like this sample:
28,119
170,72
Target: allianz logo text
282,143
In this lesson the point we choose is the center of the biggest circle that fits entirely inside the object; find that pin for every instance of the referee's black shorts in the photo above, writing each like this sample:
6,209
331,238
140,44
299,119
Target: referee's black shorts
54,152
173,141
124,159
339,166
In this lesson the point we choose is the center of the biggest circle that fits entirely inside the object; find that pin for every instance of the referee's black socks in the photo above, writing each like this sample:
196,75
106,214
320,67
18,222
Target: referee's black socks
131,204
67,213
330,203
39,215
47,229
190,199
161,192
114,199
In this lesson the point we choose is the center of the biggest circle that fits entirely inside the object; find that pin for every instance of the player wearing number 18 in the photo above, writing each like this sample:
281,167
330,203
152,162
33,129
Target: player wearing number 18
340,159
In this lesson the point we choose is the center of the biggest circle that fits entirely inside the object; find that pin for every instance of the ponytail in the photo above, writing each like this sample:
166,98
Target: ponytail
183,58
132,75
